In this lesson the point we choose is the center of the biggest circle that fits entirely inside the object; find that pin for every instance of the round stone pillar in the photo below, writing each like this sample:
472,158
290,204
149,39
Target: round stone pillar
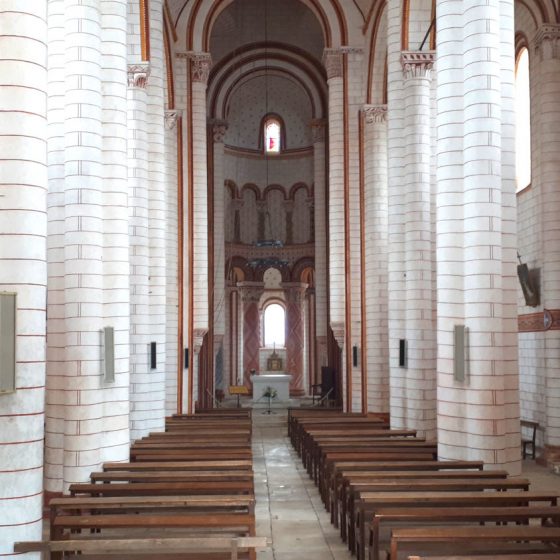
251,293
413,389
376,265
23,268
295,335
318,130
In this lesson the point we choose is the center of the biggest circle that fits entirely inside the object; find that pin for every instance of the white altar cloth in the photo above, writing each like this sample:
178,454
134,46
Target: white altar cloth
278,381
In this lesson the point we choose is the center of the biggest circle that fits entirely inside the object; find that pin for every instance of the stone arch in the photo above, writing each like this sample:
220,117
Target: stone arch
299,268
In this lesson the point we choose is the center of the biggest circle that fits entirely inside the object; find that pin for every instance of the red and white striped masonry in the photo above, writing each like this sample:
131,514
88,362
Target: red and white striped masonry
23,190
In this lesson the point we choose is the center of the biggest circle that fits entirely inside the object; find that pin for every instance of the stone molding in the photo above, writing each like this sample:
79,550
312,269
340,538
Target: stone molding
417,64
547,41
547,320
332,59
171,116
318,130
374,113
219,128
138,74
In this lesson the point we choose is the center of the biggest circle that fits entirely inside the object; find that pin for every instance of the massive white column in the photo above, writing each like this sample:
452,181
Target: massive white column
395,199
375,237
23,270
547,51
116,289
321,272
413,403
333,59
172,121
200,69
87,417
138,209
477,417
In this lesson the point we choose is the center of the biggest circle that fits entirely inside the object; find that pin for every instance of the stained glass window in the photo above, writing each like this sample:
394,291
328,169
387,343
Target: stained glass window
272,136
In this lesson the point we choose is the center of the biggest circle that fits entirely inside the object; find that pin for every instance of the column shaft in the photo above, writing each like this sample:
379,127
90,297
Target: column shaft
23,270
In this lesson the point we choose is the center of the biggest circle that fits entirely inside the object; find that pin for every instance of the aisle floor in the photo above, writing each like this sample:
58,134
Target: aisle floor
289,510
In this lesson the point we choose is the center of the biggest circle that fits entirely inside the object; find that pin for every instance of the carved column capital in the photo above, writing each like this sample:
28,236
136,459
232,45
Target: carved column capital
547,41
332,59
417,64
318,130
138,74
171,116
294,291
374,113
219,128
262,205
201,63
251,292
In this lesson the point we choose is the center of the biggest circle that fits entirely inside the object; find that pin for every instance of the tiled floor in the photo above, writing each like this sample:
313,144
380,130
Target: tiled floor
289,510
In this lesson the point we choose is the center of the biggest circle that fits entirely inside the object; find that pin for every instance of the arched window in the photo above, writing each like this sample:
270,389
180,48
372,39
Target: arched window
274,326
272,135
523,121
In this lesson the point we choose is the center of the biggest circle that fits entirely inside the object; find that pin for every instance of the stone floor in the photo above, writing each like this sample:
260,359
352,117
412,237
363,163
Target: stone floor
289,510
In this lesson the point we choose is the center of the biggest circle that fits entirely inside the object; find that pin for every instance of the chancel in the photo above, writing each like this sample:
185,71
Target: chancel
192,190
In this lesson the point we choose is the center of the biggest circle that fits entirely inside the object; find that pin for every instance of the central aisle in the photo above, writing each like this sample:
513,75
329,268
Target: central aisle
288,508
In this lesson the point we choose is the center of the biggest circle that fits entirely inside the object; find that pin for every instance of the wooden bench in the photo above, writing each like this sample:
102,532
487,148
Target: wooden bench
163,488
347,467
471,537
531,441
355,505
171,548
458,514
324,473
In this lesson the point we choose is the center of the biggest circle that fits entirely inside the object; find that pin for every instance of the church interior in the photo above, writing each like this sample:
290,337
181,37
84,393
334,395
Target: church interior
340,215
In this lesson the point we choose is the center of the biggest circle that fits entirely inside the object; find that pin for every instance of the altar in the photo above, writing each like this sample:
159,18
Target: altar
278,381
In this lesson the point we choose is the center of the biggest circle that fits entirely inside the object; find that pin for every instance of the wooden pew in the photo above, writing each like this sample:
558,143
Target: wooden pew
324,473
358,478
397,445
472,537
458,514
170,548
347,467
164,488
411,500
358,494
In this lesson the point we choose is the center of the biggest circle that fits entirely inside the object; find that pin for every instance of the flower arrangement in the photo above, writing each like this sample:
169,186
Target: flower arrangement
270,393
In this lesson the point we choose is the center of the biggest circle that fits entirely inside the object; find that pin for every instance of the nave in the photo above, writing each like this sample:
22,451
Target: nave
225,480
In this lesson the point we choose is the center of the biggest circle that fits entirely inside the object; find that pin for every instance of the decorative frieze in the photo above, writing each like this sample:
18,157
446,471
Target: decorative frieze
171,116
417,64
546,320
318,129
332,59
547,41
138,75
374,113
